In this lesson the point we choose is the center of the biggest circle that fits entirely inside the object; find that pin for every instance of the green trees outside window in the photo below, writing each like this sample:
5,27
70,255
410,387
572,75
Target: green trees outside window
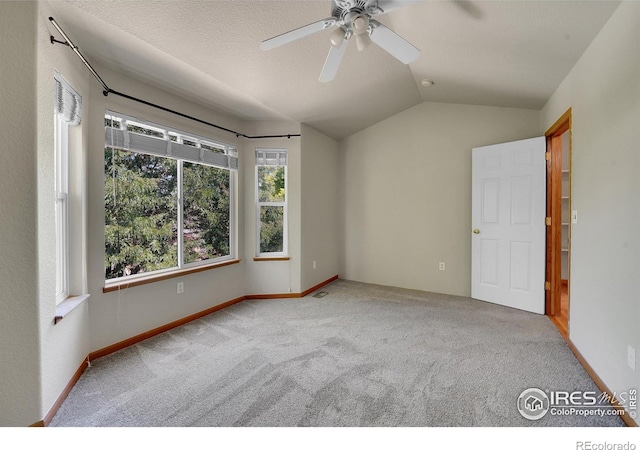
206,215
141,213
272,204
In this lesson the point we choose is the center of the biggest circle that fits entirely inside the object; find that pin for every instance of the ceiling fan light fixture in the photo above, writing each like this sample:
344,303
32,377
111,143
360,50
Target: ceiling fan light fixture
362,41
337,37
360,24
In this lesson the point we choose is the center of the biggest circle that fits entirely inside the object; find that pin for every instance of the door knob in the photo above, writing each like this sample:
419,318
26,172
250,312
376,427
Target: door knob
476,231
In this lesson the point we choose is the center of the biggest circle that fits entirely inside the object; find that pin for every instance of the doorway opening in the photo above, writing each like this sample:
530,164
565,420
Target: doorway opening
558,220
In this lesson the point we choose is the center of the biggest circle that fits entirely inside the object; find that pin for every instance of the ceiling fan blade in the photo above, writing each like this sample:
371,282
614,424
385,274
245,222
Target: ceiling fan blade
394,44
298,33
332,63
470,8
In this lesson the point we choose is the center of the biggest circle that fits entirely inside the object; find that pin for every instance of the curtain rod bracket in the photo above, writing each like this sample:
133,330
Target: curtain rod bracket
55,41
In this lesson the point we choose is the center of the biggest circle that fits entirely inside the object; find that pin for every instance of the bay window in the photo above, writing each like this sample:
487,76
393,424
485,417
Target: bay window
169,198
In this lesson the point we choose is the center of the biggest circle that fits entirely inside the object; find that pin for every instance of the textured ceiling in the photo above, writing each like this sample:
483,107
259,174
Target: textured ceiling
497,53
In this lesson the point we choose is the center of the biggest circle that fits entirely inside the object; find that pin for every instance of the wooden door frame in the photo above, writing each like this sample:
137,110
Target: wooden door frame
553,273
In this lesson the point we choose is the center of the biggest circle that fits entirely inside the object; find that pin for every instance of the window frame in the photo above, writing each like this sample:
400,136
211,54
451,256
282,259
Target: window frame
177,136
259,204
180,224
70,201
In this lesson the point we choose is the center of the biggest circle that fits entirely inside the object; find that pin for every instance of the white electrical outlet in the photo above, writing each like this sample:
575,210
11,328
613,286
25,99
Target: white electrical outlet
631,357
180,287
441,266
314,265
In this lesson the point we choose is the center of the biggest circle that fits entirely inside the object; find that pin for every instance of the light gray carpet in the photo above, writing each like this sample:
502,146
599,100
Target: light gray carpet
364,355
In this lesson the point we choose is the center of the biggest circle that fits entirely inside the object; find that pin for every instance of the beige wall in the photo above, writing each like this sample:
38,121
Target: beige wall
38,358
52,352
63,346
273,277
406,193
603,90
119,315
312,208
399,205
320,210
20,391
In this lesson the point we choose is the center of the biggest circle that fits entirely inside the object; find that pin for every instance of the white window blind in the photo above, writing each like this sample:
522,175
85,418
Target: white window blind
131,134
68,102
271,157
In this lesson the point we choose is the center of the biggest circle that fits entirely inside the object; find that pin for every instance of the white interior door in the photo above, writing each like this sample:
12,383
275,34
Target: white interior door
508,224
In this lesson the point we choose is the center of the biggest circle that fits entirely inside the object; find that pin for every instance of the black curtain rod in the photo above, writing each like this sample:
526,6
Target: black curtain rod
107,90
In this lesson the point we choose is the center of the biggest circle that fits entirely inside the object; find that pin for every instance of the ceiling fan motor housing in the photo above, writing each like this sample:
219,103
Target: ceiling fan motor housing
343,7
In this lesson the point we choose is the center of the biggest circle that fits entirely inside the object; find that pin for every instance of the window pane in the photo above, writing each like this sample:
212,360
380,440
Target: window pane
271,187
206,228
271,229
147,131
61,131
211,148
140,213
61,247
109,122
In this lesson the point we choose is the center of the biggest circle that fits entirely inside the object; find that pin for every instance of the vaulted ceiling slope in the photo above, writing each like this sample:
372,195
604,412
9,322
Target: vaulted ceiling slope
497,53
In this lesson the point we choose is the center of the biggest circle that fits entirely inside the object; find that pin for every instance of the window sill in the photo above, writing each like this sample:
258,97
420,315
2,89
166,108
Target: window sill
124,284
68,305
271,258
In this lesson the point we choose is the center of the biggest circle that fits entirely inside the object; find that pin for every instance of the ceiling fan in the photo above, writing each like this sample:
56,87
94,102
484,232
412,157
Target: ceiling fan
352,18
